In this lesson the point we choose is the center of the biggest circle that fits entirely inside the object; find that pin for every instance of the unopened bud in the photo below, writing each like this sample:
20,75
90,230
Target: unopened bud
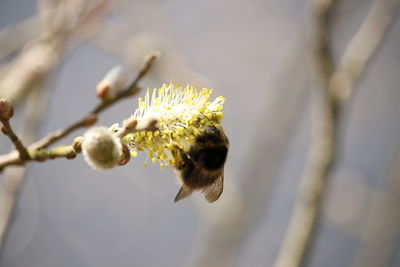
130,123
77,144
129,126
113,82
6,109
150,58
102,150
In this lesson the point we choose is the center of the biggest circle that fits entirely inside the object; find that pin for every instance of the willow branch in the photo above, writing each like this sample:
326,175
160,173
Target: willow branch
333,89
14,177
39,151
25,76
7,130
92,116
34,154
57,152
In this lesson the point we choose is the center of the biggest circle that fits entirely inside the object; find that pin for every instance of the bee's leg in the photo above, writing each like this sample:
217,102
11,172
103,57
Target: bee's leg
183,163
184,192
180,157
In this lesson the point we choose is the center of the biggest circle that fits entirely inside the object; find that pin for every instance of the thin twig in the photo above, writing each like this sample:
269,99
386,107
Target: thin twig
14,177
7,130
25,77
333,91
13,37
36,154
129,91
39,151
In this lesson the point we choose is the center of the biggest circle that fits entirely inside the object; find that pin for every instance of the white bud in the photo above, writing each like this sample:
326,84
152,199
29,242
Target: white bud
113,82
102,150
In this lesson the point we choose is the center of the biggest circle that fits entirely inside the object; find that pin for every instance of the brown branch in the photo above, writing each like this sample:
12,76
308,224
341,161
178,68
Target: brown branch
25,76
90,118
7,130
35,154
57,152
39,151
14,177
332,92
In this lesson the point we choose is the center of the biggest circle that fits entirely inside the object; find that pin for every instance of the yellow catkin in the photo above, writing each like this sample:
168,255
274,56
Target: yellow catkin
181,113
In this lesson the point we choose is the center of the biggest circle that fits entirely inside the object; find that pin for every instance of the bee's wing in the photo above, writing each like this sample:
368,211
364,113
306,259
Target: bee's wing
214,191
184,192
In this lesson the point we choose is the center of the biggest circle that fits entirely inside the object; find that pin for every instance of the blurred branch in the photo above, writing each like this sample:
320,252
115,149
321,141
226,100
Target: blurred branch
361,48
13,37
38,151
297,237
330,94
59,22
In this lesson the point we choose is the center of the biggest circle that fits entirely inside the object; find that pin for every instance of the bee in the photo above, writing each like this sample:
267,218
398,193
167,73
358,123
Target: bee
202,166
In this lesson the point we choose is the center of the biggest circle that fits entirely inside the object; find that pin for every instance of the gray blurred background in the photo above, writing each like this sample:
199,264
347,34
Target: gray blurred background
255,54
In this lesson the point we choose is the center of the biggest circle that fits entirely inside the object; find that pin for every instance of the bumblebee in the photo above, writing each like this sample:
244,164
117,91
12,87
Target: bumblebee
202,166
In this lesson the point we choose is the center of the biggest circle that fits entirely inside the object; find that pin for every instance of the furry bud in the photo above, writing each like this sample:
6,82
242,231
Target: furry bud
102,150
113,82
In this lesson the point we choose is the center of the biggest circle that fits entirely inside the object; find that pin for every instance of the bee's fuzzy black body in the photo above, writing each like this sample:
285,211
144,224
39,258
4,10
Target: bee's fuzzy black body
202,167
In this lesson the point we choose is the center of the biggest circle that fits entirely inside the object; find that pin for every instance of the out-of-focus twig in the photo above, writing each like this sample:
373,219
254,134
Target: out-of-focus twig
360,49
298,234
60,22
13,37
39,152
332,92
